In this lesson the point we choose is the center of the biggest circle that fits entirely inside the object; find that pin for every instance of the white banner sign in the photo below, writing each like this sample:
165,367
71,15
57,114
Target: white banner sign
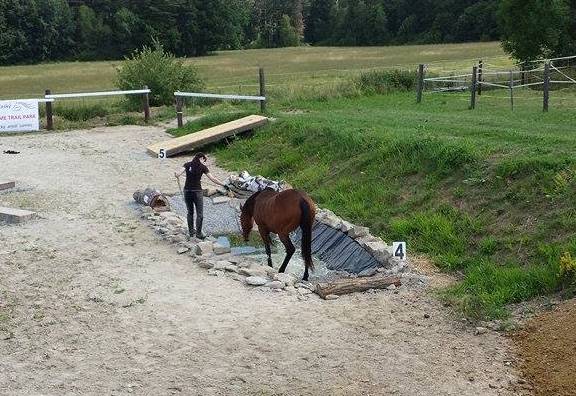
19,115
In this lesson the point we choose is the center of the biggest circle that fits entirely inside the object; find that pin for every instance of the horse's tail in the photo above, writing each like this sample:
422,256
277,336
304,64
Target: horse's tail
306,221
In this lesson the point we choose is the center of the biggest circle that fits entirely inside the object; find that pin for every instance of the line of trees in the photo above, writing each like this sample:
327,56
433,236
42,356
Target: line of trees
46,30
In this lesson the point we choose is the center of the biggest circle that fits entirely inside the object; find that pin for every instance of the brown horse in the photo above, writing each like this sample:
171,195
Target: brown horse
281,213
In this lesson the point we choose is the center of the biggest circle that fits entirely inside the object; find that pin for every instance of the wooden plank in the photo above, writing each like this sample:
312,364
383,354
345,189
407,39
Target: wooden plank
5,185
352,285
207,136
15,216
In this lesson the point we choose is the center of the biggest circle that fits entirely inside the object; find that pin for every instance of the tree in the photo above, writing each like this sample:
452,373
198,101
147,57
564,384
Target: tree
319,21
57,28
534,28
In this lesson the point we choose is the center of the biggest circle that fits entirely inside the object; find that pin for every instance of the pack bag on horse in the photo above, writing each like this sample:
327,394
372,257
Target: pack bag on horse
281,213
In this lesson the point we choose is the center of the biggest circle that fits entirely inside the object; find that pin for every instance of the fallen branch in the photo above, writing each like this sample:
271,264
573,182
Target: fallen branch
353,285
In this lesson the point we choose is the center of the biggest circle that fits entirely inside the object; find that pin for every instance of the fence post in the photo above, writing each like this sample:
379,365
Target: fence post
420,83
523,75
546,85
146,105
511,85
473,88
480,68
49,113
179,101
262,89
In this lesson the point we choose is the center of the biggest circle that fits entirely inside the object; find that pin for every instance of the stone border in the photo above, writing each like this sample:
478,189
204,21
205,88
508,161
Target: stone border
219,261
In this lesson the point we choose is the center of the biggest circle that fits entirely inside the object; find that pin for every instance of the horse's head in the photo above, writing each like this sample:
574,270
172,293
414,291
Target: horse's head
246,221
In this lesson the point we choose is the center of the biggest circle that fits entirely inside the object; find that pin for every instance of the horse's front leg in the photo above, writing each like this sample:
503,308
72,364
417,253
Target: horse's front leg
290,249
265,234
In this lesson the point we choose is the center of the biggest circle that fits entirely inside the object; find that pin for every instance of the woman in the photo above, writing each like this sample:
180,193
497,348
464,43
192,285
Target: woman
193,194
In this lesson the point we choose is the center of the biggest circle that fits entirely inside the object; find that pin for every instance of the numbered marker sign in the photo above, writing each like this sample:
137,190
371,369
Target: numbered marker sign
162,153
399,250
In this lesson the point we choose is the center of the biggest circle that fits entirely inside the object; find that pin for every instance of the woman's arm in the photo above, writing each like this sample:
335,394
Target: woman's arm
179,174
215,180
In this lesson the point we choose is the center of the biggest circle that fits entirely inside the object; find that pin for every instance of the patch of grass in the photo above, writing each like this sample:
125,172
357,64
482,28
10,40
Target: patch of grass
83,112
385,81
488,287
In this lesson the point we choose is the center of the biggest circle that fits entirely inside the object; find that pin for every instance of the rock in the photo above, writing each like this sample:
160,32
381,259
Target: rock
275,285
210,191
254,270
238,277
331,220
357,231
219,249
391,287
223,241
205,264
287,279
480,330
291,290
213,272
256,281
368,272
183,250
332,297
220,200
306,285
221,265
427,316
303,291
346,226
204,248
231,268
161,230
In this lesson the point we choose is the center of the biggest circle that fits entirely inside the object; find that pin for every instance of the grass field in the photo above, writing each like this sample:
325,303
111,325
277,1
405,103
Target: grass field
236,71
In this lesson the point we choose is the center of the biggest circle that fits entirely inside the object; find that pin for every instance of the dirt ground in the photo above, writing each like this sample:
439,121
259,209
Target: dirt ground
93,302
547,346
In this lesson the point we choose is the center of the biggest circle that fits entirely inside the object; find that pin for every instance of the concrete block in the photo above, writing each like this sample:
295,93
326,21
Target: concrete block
15,216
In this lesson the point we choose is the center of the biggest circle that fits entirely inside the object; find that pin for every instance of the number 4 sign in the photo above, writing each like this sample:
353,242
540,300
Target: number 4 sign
399,250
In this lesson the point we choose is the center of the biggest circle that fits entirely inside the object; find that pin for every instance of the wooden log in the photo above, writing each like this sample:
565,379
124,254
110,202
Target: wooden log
546,98
49,113
473,88
511,85
146,105
480,70
420,83
353,285
262,79
179,117
152,198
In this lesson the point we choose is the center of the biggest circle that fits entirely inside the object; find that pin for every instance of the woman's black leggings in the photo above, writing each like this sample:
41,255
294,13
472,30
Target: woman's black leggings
194,199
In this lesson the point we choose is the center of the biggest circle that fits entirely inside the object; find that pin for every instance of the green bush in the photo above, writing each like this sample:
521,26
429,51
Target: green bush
384,81
160,71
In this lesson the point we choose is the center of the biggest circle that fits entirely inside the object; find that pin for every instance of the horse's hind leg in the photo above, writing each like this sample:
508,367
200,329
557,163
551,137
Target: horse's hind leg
266,239
289,251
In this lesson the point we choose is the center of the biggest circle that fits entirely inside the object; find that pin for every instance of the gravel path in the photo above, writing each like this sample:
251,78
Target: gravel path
92,302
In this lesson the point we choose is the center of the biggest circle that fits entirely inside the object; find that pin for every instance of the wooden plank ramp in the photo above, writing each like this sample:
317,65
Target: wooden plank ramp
207,136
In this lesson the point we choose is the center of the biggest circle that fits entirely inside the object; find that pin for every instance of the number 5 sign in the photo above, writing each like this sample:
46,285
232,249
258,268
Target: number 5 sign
162,153
399,250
